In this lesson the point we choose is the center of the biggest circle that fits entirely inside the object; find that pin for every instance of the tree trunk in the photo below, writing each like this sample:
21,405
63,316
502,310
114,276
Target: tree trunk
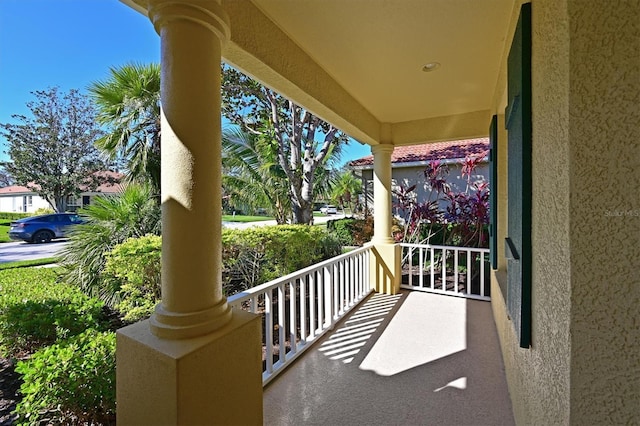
59,204
302,215
303,194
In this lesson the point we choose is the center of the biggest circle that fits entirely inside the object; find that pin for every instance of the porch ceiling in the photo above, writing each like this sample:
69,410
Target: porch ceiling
358,63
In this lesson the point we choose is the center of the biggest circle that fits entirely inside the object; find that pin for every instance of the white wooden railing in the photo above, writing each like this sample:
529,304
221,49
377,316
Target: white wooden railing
456,271
300,307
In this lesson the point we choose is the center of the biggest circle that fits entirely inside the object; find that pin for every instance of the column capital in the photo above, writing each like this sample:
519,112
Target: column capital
209,14
382,148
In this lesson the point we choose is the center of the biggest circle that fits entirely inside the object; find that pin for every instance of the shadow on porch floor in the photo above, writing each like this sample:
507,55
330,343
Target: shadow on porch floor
410,359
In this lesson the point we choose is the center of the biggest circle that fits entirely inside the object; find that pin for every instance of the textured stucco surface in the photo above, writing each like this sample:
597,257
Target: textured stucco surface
539,377
583,367
604,136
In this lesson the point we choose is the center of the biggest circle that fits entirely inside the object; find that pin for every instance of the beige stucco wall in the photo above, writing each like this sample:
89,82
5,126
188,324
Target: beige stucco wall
604,143
539,377
583,366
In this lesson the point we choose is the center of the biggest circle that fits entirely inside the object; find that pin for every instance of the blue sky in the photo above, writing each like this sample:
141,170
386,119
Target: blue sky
70,44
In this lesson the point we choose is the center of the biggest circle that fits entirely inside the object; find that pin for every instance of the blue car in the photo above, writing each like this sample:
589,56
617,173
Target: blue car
44,228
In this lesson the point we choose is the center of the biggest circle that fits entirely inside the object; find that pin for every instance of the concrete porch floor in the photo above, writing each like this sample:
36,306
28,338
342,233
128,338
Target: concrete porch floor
410,359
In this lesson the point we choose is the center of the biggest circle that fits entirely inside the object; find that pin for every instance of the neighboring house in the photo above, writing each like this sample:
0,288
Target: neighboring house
409,162
21,199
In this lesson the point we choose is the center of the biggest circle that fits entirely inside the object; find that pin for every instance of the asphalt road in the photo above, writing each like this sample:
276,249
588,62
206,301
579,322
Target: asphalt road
13,252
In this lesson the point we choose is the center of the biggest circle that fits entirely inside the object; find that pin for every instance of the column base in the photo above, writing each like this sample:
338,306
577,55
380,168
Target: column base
386,268
212,379
171,325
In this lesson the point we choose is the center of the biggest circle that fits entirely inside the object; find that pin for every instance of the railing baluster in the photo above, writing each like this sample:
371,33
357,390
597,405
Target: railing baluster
421,267
409,253
444,269
481,274
367,270
312,304
328,287
303,309
352,280
268,336
335,291
469,271
340,267
293,323
358,279
320,299
326,293
282,335
433,274
455,270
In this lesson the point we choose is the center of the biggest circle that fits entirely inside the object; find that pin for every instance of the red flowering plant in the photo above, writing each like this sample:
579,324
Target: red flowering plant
446,217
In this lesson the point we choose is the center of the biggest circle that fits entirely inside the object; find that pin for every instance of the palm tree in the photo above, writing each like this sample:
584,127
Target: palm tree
252,175
345,189
110,220
128,103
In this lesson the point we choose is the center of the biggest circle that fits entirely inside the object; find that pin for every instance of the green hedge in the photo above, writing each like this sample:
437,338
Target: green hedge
14,216
36,311
71,382
256,255
352,231
249,257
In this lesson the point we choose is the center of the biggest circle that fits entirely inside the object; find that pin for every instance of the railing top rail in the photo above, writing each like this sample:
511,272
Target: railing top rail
438,247
249,293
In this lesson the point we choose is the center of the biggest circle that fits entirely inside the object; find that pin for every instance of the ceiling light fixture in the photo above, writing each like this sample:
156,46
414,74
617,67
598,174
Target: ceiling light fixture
431,66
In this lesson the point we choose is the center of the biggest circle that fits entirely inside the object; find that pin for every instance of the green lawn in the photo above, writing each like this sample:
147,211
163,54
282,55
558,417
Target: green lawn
4,231
243,218
28,263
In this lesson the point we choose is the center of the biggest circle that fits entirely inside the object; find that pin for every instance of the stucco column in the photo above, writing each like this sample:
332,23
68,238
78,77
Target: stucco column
193,362
386,267
382,192
191,36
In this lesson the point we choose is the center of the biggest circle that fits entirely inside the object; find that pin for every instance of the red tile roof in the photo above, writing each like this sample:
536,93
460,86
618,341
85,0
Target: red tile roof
109,187
431,151
14,189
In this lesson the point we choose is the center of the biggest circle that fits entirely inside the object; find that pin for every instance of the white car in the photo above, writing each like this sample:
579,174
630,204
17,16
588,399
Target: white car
329,210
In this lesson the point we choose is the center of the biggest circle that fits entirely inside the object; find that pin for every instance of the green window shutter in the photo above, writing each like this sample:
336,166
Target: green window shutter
493,192
518,124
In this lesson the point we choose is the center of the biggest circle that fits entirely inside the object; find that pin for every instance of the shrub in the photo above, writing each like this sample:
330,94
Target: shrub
342,229
260,254
135,266
352,231
462,221
43,210
111,220
35,311
71,382
249,257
